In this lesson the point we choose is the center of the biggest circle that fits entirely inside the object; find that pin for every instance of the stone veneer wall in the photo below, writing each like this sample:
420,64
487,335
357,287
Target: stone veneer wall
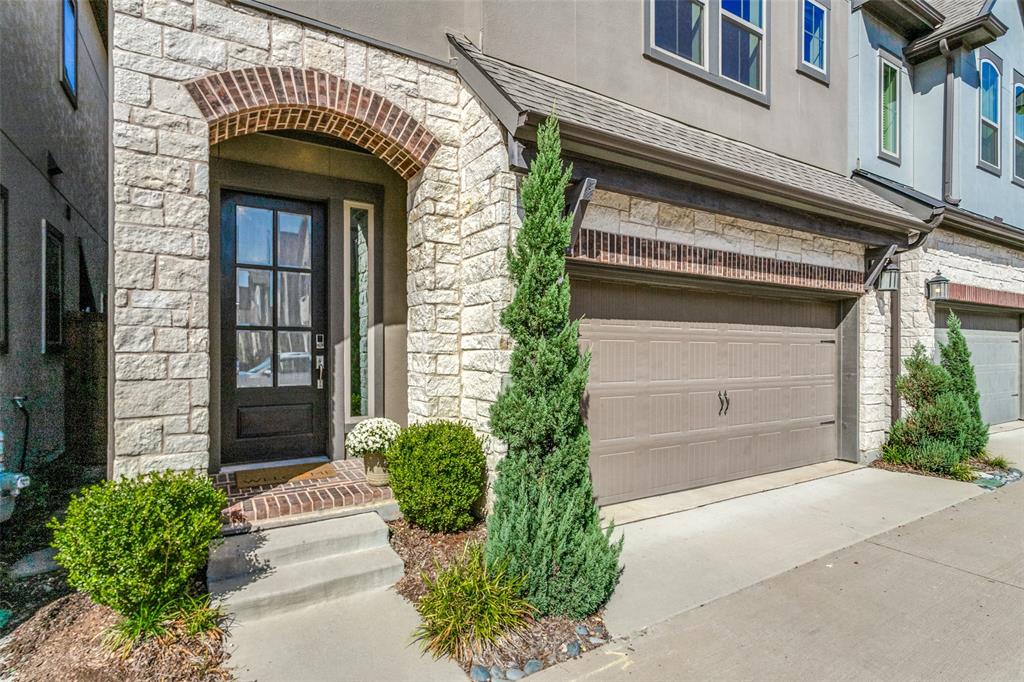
964,260
460,221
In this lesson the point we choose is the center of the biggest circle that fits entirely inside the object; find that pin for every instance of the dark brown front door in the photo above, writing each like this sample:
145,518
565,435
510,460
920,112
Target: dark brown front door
273,329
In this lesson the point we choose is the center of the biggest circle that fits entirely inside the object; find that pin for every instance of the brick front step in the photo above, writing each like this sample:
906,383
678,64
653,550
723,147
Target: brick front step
342,494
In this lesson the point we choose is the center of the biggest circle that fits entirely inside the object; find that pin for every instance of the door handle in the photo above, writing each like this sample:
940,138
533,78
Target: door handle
721,404
727,401
320,371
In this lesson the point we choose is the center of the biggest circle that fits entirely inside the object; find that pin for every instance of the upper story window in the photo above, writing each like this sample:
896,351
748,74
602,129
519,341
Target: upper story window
988,108
888,110
724,42
1018,128
742,31
679,28
69,50
815,35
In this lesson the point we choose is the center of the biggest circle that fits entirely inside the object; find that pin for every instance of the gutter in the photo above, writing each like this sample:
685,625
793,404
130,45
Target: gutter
969,35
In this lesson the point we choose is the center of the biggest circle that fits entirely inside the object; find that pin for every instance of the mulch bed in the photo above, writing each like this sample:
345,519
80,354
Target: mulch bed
976,464
551,639
63,641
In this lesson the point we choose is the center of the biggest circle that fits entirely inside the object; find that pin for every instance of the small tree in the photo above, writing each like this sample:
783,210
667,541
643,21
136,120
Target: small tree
956,359
545,524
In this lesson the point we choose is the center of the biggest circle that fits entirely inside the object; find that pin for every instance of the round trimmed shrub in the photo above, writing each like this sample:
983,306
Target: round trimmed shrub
136,543
438,472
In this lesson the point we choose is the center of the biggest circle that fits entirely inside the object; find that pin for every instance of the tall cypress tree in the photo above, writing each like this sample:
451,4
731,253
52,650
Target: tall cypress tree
956,359
544,522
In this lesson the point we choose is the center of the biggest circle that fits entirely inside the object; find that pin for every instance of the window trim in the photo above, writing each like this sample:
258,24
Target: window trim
4,213
1017,174
887,60
71,92
987,56
760,31
802,66
668,55
375,338
711,72
49,345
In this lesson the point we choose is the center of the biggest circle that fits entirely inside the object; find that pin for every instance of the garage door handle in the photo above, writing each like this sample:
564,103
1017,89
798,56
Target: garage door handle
727,402
721,404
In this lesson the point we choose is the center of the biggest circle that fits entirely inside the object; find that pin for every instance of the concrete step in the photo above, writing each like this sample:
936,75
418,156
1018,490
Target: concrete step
295,585
242,555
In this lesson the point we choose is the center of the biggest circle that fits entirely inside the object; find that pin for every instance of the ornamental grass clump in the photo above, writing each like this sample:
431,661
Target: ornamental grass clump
137,546
470,606
372,435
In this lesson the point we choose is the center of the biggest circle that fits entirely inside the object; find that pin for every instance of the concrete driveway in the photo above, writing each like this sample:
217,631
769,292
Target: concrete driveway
898,596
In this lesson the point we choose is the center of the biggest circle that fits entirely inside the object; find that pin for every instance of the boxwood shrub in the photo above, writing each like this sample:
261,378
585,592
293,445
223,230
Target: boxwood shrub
136,543
438,472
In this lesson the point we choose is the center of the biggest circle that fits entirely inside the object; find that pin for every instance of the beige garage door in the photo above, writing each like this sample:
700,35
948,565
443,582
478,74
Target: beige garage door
689,388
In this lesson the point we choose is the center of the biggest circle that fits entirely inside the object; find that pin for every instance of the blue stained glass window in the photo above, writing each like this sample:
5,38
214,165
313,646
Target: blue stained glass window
70,46
814,35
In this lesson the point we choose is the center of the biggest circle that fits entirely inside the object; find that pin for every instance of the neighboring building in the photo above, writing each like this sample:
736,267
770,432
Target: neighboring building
54,110
314,204
939,89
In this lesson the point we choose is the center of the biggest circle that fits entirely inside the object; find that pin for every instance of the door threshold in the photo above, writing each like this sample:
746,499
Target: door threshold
250,466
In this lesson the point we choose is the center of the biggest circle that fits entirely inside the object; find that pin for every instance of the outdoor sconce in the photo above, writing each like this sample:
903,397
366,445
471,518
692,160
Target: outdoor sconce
937,288
889,280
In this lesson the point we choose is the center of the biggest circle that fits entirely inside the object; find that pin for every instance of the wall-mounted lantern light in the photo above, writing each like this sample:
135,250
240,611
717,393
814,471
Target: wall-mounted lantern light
889,279
937,288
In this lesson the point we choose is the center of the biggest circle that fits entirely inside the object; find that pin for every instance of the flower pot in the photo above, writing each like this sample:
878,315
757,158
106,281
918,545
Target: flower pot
376,468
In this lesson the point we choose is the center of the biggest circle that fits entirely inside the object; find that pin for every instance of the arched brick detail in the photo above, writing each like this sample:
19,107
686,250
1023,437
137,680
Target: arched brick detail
261,98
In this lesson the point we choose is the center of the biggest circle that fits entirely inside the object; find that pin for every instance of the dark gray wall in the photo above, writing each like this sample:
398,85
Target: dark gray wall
35,118
599,44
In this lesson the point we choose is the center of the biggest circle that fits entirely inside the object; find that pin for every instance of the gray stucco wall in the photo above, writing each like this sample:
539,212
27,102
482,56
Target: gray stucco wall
35,118
599,45
981,191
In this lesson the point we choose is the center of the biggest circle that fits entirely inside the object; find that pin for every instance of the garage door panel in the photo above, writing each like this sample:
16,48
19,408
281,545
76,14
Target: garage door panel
654,408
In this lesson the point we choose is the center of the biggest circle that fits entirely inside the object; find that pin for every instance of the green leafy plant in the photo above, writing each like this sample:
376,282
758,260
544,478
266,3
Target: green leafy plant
956,359
923,381
134,544
438,472
469,606
187,615
545,524
995,461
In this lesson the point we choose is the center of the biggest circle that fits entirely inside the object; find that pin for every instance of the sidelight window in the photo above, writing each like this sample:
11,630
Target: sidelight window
358,222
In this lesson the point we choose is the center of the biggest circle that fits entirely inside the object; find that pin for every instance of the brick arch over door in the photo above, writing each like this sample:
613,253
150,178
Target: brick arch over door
262,98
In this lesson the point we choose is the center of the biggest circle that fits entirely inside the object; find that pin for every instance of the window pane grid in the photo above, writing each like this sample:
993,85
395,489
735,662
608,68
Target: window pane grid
889,117
989,114
679,28
741,52
1018,131
814,28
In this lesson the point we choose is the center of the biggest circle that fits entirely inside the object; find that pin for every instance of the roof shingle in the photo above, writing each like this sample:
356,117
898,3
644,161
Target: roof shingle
533,92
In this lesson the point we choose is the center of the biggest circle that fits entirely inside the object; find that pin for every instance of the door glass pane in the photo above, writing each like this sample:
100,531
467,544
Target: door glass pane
741,55
254,356
254,297
292,240
293,293
359,310
255,227
294,362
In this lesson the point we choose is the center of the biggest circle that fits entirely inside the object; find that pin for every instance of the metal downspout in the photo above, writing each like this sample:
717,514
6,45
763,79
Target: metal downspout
947,125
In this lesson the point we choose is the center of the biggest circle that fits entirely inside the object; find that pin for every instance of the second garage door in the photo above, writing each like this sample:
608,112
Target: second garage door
994,341
689,388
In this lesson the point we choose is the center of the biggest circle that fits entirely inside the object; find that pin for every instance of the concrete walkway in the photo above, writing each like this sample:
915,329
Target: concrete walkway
678,562
360,638
939,598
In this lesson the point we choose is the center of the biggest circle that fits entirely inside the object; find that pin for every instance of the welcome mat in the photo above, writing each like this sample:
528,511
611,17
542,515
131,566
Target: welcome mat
253,478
